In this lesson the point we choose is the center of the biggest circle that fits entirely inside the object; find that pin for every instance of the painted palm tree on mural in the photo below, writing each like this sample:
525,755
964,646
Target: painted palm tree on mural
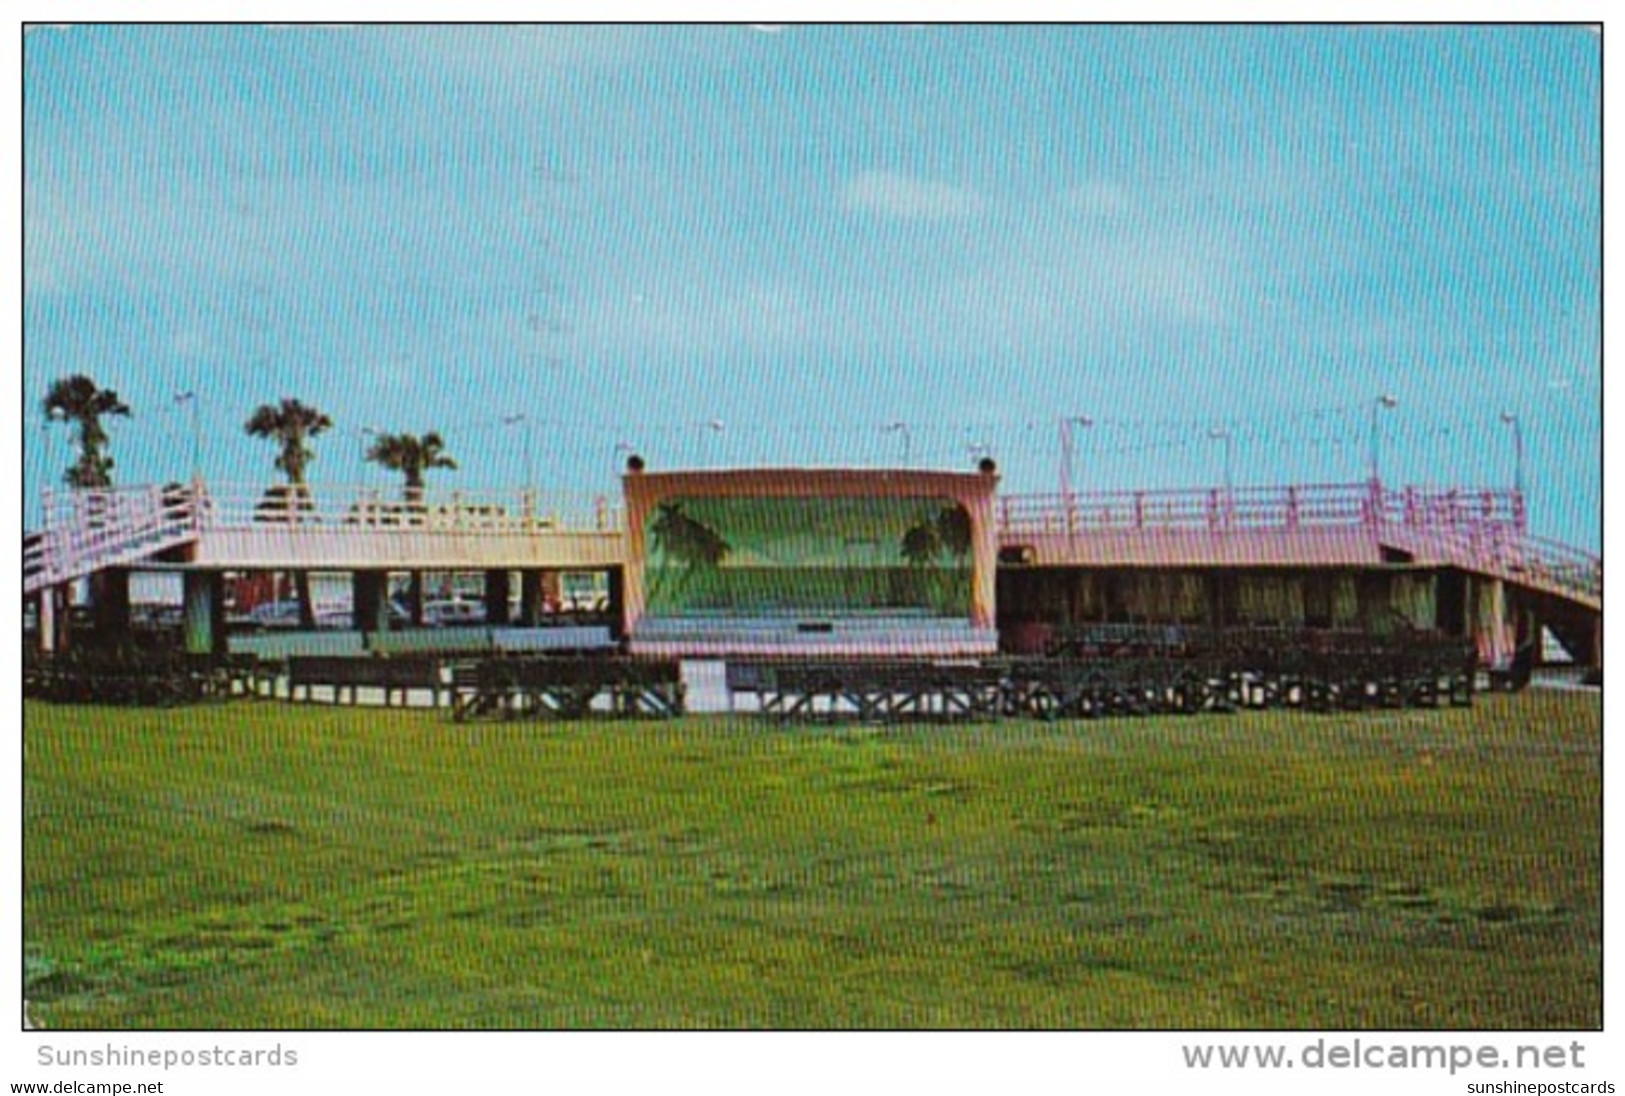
954,531
79,400
292,424
957,539
947,531
686,542
920,546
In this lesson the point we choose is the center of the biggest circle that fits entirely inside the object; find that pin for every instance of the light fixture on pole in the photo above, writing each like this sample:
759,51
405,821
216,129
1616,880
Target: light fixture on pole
364,433
523,422
1384,402
1067,446
901,427
716,426
190,397
1220,433
1513,421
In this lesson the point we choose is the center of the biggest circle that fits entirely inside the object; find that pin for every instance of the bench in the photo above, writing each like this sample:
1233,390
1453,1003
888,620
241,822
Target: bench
341,674
870,690
567,688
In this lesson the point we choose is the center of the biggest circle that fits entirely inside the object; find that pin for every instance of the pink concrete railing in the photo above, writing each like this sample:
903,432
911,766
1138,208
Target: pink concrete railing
1487,528
87,530
1533,561
1260,508
348,507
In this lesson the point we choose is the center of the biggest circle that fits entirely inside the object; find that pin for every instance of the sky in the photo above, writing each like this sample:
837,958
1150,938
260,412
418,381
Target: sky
735,245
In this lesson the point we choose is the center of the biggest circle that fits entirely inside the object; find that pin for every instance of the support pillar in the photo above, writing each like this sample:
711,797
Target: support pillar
1494,633
498,588
414,598
50,618
369,610
203,611
110,604
532,597
617,603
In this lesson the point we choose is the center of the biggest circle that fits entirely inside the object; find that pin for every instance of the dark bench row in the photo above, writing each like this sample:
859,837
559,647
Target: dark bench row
886,690
138,678
341,675
567,688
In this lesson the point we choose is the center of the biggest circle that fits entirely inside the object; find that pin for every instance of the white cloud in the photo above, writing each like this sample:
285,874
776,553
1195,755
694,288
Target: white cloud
894,195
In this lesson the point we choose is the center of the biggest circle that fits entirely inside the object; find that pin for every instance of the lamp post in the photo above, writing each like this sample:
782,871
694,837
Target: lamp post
364,433
523,422
908,439
1068,444
1384,402
716,426
1513,421
529,493
623,447
1520,512
1219,433
190,397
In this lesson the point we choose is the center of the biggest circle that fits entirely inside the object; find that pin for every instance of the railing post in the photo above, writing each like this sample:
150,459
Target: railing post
1139,509
1292,508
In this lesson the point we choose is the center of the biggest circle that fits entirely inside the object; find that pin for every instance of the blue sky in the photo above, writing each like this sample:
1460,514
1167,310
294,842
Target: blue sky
627,234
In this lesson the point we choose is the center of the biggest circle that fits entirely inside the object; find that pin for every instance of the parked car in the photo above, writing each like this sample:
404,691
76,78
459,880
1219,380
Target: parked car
275,615
453,612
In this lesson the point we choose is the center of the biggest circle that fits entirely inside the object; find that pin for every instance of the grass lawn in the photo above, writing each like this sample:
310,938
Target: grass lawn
261,865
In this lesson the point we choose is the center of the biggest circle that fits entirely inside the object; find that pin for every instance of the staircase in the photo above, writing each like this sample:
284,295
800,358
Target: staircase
90,530
1544,566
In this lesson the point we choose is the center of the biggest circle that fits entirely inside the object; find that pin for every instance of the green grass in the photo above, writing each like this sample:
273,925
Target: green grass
260,865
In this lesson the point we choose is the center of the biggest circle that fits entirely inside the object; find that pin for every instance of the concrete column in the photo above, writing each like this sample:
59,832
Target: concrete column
631,584
203,611
49,615
369,612
1494,632
415,598
984,560
532,597
498,587
617,603
110,604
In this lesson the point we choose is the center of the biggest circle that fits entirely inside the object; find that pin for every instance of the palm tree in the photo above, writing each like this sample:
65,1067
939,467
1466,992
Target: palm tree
411,456
292,424
81,401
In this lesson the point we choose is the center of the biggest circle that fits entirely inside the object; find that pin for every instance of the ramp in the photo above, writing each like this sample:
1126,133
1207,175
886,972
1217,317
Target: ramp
91,530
